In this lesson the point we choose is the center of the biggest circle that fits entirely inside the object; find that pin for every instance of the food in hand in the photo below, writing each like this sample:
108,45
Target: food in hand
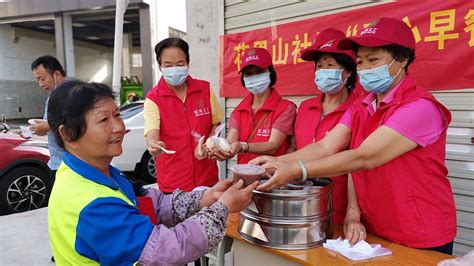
217,143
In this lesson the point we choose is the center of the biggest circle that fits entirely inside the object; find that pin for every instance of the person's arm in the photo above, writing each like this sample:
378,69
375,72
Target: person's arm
337,140
354,230
40,128
175,208
210,220
151,114
406,129
382,146
282,127
267,147
292,147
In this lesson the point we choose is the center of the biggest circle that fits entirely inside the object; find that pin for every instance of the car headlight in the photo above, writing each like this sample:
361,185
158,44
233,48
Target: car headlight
35,143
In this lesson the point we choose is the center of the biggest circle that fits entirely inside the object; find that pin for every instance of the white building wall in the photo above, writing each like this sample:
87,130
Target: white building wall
18,49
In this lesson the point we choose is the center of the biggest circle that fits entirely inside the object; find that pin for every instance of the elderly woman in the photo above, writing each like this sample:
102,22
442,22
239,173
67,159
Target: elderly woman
93,216
335,77
397,139
262,123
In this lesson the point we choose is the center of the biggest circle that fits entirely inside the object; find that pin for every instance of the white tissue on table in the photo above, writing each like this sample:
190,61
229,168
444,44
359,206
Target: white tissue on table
359,251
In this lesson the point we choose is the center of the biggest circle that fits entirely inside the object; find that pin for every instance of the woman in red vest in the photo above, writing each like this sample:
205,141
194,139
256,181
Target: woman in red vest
397,140
177,112
336,77
263,120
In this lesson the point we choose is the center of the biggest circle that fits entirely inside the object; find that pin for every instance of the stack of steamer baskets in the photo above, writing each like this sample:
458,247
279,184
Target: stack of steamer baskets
297,216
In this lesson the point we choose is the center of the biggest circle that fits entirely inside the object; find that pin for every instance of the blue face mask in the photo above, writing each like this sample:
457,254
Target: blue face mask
258,84
377,79
175,76
329,81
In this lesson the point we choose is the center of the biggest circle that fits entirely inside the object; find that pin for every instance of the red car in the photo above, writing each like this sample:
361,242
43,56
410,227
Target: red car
25,183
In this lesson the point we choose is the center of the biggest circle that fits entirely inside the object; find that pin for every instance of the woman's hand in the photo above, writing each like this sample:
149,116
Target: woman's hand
40,128
213,194
237,198
261,160
236,147
354,230
154,147
200,152
220,155
283,173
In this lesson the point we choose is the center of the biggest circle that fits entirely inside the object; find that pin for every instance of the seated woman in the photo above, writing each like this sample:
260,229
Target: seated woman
262,123
93,216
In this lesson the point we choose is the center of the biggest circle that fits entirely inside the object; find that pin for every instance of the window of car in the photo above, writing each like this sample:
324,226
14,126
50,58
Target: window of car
130,110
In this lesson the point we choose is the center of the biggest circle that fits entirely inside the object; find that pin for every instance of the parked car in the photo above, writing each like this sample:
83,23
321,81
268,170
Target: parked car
135,158
25,183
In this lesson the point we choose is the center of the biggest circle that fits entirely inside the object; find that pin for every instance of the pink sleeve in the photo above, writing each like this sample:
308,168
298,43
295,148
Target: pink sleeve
285,122
346,119
419,121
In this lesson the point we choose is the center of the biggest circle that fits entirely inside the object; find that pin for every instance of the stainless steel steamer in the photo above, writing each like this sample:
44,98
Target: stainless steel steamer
291,217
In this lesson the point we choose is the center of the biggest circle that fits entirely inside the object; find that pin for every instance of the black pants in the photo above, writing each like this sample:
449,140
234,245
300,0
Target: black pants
447,249
52,174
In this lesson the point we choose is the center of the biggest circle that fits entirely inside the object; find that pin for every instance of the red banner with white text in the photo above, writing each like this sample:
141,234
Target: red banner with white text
444,33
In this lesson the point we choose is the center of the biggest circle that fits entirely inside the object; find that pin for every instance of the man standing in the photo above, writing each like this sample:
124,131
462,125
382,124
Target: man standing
49,74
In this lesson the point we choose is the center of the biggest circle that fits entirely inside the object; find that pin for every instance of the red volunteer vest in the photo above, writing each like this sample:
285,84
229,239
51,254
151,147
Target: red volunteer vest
178,120
275,105
409,199
310,128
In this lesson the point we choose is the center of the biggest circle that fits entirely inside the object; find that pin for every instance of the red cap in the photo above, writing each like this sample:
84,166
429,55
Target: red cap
256,57
381,32
326,42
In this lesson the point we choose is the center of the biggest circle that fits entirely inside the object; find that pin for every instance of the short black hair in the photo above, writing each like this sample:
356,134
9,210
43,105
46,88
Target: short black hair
273,76
347,63
49,63
69,104
171,42
398,53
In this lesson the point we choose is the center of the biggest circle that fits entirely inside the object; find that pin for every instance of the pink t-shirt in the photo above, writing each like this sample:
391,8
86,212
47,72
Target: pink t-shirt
420,121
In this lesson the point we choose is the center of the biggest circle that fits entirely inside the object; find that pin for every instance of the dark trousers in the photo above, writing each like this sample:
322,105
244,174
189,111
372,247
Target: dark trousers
447,249
52,174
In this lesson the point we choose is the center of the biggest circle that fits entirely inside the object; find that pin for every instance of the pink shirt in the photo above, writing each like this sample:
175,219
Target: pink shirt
419,121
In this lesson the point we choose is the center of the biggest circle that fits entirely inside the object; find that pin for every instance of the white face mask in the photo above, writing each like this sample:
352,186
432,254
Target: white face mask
175,76
377,79
329,81
258,84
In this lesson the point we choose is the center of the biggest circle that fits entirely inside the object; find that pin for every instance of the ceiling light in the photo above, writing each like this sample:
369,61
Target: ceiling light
94,38
78,25
126,22
96,8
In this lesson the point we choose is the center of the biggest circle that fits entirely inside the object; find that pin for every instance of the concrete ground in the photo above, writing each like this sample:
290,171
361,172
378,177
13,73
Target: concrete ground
24,238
